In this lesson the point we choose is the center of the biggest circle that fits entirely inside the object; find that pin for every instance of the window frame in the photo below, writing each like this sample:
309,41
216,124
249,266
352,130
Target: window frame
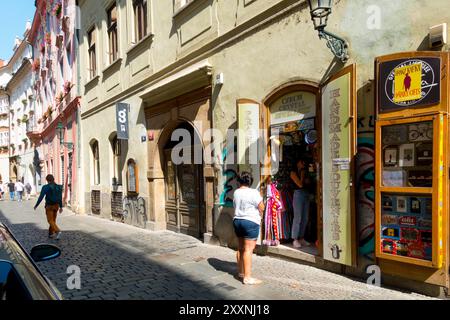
112,29
140,23
92,52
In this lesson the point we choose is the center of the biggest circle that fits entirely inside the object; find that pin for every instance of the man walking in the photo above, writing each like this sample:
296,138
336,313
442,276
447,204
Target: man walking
53,202
12,190
19,189
28,189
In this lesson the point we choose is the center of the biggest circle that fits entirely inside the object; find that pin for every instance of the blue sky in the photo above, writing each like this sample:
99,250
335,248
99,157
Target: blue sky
13,17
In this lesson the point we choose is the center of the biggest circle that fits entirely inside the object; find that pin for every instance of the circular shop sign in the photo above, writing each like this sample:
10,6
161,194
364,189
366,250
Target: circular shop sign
428,82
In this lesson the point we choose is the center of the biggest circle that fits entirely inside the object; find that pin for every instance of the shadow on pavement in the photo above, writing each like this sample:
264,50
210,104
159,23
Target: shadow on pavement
109,271
224,266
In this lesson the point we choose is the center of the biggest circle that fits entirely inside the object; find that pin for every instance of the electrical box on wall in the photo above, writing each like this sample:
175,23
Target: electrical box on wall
438,35
220,79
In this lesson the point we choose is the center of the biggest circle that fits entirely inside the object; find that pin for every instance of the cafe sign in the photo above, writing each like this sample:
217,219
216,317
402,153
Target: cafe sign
408,83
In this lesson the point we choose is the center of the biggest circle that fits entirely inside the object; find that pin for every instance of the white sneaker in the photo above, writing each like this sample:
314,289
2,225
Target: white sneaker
58,235
297,244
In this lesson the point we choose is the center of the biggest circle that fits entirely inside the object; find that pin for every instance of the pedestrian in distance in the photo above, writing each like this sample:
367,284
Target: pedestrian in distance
12,190
2,192
19,187
28,190
249,208
53,203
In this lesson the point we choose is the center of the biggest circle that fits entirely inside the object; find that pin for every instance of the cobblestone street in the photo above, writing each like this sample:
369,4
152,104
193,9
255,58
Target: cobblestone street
122,262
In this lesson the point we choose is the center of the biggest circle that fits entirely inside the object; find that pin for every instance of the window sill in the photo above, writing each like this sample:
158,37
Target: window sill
139,44
112,65
87,84
183,8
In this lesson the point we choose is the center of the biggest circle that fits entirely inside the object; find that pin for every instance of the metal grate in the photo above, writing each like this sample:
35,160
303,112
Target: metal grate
117,204
95,202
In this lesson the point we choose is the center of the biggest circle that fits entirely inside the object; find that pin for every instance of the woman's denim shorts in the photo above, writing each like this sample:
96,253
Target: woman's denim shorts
246,229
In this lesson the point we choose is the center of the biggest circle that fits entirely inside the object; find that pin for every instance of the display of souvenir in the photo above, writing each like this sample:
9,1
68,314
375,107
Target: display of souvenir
424,154
388,219
311,137
395,134
402,248
420,178
387,203
306,124
425,223
416,251
390,157
406,155
391,233
426,236
408,221
394,178
410,234
415,205
422,131
402,205
389,246
291,127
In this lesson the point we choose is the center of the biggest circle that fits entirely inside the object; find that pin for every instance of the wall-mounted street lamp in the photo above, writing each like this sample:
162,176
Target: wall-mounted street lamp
320,11
60,129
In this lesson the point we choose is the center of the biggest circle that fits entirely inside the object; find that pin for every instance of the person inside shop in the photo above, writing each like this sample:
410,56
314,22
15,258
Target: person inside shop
301,203
249,208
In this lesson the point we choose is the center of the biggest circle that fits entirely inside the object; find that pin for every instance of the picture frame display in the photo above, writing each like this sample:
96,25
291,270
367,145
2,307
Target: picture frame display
390,157
406,155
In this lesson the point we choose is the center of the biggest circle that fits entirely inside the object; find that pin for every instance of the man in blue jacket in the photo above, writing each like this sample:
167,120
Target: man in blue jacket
53,202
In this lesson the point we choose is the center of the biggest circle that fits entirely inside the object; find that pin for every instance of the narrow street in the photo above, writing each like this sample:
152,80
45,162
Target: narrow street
120,262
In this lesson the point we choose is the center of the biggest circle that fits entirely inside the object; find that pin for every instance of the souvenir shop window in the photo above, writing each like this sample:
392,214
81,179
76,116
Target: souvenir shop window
406,226
407,155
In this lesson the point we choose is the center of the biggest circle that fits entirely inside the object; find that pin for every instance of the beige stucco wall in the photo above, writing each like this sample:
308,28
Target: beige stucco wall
258,46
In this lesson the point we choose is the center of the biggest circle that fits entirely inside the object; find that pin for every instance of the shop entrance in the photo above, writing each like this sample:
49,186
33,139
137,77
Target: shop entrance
185,209
293,117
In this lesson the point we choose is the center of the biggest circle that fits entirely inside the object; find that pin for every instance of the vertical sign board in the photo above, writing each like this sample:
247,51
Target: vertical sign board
337,154
122,116
248,112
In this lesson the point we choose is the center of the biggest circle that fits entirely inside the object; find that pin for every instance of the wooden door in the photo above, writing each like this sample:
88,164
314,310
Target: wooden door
184,196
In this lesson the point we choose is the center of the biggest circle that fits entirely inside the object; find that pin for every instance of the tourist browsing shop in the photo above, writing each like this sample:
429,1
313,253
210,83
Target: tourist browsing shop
311,132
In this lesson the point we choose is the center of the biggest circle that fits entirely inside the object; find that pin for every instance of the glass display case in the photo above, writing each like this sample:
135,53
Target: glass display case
410,190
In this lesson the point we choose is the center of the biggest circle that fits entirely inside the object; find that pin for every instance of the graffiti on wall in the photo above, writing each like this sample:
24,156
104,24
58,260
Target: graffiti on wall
230,181
365,170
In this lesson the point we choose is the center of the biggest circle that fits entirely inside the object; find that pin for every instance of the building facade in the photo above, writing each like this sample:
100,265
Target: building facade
5,76
54,126
193,67
22,150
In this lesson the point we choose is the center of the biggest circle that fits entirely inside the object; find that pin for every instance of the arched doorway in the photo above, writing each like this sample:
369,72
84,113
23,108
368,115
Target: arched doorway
184,183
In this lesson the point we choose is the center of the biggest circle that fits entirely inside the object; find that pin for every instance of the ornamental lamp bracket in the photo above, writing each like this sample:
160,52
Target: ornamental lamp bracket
320,10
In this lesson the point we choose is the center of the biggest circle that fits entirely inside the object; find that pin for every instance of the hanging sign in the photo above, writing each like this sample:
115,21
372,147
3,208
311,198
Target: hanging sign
337,154
122,113
407,83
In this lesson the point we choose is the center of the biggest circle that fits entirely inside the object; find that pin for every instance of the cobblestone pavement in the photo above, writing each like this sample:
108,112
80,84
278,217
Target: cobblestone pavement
120,262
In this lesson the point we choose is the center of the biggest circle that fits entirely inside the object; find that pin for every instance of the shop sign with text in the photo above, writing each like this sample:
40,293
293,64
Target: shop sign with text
337,154
409,83
293,107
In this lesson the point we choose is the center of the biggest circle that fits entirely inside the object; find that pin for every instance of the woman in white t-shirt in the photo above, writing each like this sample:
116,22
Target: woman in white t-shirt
249,208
